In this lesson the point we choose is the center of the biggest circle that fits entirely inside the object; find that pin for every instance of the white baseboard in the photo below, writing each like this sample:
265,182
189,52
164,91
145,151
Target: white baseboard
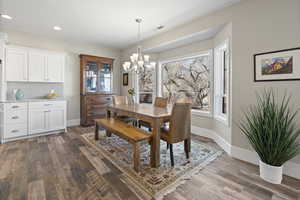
290,168
73,122
214,136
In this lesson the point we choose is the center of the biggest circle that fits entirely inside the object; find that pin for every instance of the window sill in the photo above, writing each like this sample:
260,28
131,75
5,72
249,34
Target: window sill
201,113
223,120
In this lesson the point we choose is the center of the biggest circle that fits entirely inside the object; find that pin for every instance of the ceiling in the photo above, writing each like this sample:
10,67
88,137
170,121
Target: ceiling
102,22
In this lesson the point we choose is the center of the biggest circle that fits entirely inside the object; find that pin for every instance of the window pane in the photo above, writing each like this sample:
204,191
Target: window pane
146,84
188,78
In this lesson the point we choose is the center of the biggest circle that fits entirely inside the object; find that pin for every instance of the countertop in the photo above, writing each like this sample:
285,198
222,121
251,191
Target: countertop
32,100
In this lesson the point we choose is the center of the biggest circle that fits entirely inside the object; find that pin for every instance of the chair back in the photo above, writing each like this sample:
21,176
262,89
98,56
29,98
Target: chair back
117,100
161,102
180,123
184,100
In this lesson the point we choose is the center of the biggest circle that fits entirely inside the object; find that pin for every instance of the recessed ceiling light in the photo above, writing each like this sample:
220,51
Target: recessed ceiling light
6,16
57,28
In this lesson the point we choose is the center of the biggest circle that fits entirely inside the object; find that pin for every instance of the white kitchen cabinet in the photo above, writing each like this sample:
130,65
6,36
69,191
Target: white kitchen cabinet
36,66
46,116
16,64
31,118
37,121
55,68
56,119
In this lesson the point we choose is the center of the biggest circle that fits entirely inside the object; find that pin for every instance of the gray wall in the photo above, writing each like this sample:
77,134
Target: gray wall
257,26
72,76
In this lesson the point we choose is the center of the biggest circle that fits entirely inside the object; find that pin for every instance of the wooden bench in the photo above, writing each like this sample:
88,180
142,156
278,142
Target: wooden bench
127,132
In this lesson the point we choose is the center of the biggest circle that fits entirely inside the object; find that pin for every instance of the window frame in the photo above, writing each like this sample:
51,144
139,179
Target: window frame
219,50
159,74
137,88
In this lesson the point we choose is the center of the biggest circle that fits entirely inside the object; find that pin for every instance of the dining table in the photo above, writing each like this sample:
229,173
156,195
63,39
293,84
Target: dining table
154,115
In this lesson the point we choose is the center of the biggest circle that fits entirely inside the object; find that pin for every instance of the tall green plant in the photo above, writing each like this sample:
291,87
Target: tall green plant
270,129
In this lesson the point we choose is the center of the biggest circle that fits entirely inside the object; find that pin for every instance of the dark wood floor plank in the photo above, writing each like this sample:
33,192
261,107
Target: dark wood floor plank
64,167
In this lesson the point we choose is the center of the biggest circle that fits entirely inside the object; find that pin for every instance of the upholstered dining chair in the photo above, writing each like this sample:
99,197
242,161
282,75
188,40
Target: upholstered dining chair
179,129
159,102
184,100
118,100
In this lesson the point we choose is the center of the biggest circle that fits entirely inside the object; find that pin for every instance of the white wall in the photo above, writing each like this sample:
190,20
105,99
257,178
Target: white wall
257,26
72,71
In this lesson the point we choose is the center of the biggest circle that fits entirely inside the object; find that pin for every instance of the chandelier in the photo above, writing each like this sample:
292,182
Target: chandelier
138,62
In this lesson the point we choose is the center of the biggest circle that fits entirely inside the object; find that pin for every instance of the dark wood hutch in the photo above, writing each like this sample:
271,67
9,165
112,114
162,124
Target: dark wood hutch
96,86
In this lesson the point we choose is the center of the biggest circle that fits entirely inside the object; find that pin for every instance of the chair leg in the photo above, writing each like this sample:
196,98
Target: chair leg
136,157
108,133
97,132
171,155
187,147
168,146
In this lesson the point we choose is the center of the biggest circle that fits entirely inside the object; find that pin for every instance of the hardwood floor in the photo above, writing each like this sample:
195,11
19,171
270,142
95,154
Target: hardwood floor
60,167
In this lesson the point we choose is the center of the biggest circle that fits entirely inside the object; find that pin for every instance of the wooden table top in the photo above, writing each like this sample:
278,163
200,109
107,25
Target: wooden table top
144,109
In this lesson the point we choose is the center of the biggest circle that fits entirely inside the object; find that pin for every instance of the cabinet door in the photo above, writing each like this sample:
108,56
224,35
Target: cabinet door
36,66
56,119
37,121
55,68
16,65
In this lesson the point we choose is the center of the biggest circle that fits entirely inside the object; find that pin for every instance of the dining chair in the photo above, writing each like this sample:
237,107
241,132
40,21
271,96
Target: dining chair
179,129
159,102
184,100
118,100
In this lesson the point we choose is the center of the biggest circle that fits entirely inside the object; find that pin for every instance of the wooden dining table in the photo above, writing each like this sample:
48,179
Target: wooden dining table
156,116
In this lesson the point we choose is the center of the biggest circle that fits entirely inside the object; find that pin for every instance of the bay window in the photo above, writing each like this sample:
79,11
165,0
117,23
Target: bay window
188,77
221,81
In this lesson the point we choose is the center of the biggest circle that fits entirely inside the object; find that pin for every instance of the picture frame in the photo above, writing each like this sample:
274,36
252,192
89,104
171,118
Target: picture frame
282,65
125,79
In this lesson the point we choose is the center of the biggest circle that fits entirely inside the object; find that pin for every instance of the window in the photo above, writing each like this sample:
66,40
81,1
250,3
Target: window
188,77
146,85
221,79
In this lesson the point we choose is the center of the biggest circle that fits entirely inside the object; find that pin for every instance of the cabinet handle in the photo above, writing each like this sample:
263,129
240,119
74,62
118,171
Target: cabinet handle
47,111
15,131
15,117
15,106
108,99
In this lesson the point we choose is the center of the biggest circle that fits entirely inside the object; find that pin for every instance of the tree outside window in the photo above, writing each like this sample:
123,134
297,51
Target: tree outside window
188,78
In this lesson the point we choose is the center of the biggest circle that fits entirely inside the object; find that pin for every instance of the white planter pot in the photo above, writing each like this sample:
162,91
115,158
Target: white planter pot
269,173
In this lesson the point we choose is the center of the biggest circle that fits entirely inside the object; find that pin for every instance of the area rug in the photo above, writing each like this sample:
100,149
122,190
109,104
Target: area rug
156,182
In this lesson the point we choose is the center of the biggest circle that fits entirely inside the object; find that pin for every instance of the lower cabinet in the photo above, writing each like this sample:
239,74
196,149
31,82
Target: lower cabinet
46,116
37,121
21,120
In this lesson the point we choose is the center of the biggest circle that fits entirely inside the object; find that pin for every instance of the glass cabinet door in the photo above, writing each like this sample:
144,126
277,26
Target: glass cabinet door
91,76
105,78
98,77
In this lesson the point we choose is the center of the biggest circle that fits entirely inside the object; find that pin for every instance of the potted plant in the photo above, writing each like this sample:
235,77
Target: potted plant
131,92
270,128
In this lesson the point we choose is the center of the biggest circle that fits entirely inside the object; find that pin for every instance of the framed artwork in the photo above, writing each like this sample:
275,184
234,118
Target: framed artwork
283,65
125,79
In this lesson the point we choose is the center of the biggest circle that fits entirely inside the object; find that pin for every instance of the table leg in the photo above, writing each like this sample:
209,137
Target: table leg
155,145
108,115
97,132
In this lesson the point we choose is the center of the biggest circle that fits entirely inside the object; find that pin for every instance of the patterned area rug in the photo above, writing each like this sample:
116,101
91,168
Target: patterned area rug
156,182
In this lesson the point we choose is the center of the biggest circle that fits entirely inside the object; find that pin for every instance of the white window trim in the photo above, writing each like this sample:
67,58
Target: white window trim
220,116
159,86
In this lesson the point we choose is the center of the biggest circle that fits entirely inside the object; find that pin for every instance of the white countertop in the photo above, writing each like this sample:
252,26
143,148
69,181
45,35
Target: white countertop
32,100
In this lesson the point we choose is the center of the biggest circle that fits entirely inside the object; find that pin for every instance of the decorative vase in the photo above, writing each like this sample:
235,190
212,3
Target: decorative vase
269,173
19,95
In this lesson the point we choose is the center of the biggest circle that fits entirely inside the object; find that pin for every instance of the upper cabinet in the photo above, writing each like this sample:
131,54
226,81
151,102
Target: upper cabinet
16,64
55,68
33,65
